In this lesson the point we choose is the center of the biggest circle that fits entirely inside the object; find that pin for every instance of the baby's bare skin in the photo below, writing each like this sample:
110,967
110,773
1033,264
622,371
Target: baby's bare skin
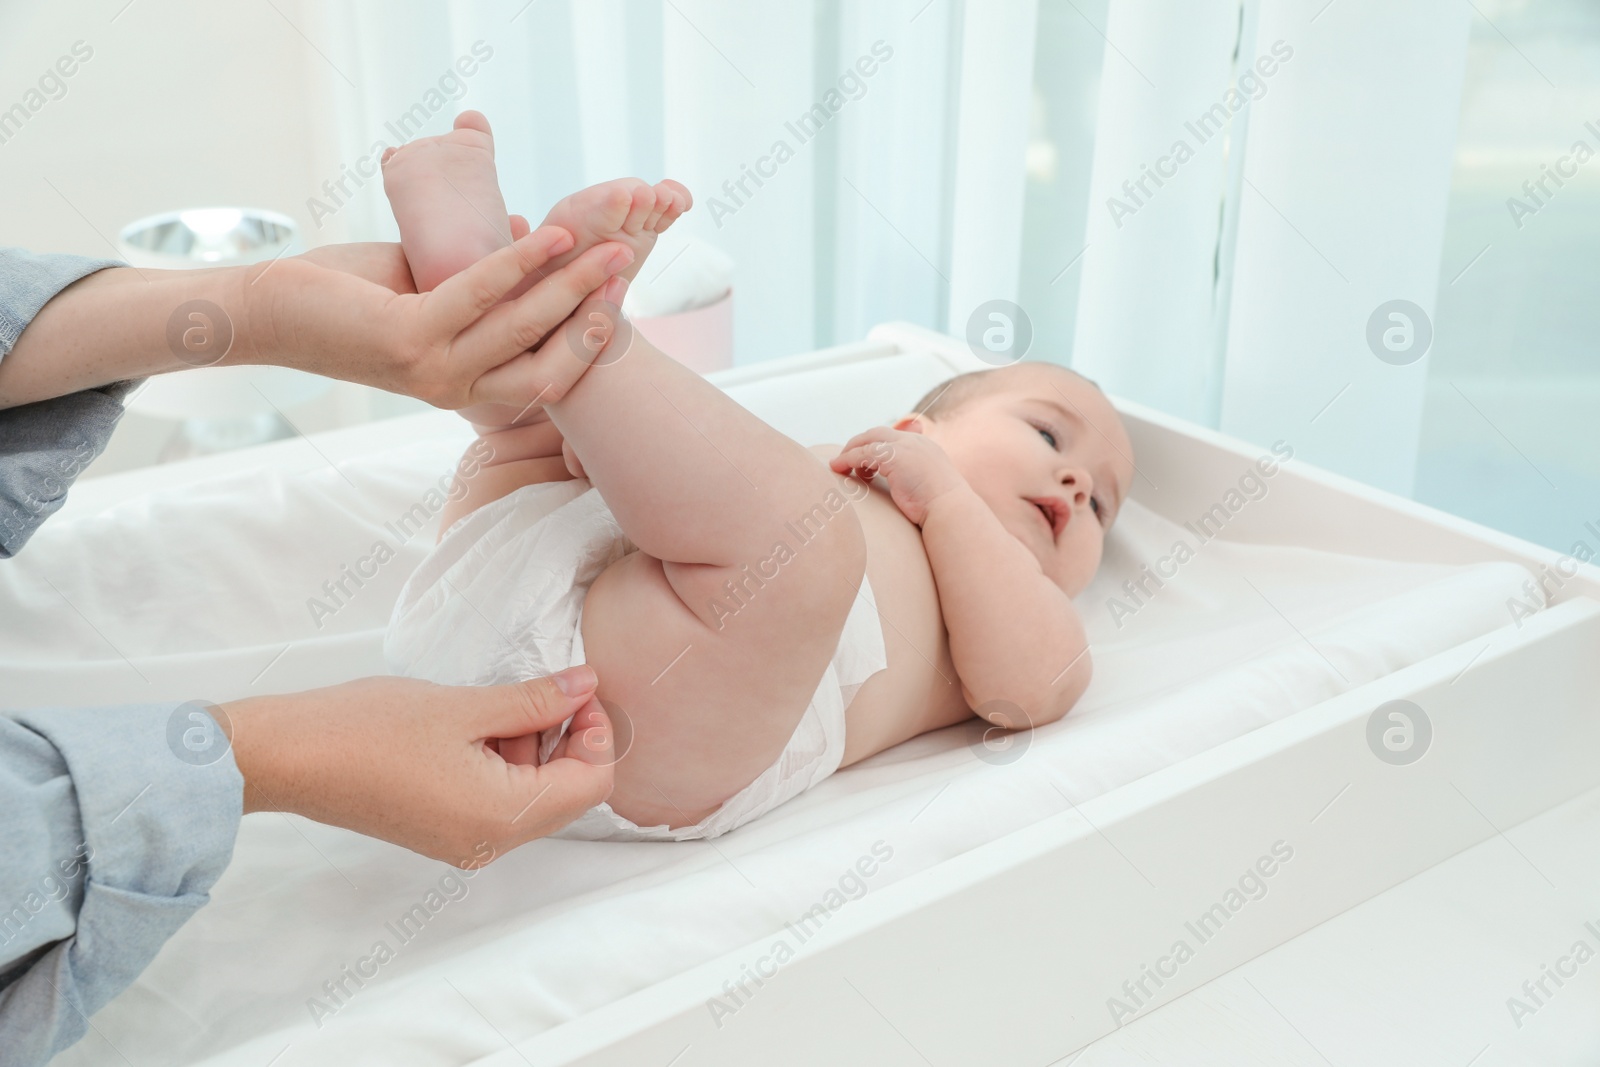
446,199
984,521
975,602
973,578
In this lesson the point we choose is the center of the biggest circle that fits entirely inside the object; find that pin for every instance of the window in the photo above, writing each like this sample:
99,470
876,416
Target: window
1511,426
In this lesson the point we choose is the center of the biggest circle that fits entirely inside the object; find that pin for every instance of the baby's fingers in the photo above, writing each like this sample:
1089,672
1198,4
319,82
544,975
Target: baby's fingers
876,445
860,461
881,435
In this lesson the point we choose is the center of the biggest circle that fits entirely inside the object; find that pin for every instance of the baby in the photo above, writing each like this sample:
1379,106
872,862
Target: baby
759,614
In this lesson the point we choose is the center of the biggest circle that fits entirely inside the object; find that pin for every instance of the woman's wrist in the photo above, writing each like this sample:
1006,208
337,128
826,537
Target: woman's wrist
241,721
274,309
380,262
259,298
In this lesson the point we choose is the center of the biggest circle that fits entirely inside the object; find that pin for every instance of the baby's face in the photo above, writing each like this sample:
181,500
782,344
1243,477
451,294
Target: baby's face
1049,455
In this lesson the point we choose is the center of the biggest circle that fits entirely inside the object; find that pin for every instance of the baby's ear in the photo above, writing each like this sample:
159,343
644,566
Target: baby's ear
912,423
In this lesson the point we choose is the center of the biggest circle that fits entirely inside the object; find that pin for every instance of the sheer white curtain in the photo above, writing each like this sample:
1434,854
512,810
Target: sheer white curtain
1199,205
859,162
1235,286
1347,182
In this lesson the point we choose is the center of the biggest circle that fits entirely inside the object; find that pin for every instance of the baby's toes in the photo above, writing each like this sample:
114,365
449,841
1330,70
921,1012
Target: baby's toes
640,207
472,120
603,209
656,222
677,199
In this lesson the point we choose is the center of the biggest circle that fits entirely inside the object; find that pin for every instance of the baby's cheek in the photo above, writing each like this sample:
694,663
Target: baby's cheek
1079,560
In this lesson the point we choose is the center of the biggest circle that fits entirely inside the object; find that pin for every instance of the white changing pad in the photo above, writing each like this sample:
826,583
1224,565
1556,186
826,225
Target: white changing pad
202,592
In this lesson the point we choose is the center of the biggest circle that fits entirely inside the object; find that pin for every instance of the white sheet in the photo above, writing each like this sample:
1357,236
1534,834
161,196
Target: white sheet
202,592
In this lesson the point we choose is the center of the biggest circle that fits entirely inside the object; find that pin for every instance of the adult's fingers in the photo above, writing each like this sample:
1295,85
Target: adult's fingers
579,775
544,376
524,322
461,299
537,704
549,797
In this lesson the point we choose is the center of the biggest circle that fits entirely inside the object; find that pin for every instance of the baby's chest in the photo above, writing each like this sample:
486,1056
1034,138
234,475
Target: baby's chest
902,580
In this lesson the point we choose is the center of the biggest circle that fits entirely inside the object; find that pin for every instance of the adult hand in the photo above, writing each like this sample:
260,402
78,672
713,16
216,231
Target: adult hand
421,765
383,262
348,312
380,262
437,346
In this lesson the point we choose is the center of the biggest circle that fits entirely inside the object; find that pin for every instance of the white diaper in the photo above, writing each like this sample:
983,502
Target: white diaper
501,599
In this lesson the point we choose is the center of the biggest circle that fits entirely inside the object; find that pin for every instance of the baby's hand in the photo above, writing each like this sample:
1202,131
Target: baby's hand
917,469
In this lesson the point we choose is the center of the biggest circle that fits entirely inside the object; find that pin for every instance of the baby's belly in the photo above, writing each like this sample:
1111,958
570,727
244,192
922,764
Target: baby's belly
919,691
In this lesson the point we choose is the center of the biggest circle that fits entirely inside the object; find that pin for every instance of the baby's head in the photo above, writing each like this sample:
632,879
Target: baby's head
1044,448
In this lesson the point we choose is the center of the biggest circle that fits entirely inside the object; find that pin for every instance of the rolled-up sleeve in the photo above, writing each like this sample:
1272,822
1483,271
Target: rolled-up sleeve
44,446
118,821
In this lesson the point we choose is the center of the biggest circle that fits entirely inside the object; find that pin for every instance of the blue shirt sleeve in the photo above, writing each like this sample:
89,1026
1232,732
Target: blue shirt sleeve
44,446
114,822
118,821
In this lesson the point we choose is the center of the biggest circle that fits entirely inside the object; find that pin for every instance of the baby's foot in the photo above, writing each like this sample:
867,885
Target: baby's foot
446,199
629,210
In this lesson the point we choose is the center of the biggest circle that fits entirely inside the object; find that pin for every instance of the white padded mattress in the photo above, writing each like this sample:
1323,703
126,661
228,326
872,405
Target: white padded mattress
202,590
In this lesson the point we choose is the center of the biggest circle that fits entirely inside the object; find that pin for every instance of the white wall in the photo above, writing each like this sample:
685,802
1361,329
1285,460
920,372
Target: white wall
182,104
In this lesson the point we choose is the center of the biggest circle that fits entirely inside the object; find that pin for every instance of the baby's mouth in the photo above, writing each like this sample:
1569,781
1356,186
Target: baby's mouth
1054,511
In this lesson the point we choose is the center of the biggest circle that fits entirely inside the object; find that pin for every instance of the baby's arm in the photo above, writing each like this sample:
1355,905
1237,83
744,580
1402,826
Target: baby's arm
1015,636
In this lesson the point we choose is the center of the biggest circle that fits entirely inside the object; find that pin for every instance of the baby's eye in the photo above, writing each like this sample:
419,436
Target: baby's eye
1095,506
1047,435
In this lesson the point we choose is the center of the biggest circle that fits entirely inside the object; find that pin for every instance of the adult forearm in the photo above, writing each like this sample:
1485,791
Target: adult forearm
348,313
1014,635
123,323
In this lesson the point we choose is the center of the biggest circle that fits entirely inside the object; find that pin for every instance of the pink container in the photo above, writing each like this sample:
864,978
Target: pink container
701,340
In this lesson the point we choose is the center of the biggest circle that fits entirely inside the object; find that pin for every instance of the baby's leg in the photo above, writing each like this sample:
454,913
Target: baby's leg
628,211
713,637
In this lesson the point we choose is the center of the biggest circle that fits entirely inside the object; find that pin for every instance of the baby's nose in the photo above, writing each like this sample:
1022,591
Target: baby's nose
1078,482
